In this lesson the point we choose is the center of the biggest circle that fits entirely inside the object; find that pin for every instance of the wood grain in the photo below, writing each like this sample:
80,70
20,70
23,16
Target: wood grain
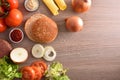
93,53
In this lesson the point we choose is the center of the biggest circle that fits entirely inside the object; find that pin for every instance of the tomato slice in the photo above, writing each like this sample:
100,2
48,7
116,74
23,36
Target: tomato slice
40,64
38,73
27,73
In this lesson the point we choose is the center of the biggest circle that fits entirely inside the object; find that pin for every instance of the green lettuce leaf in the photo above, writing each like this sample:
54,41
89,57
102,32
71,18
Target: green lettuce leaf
8,70
56,72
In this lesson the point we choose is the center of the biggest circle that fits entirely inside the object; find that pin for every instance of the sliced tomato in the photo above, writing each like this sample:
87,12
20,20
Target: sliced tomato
27,73
38,73
40,64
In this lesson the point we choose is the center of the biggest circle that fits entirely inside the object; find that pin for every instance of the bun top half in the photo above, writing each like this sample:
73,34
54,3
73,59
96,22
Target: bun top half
40,28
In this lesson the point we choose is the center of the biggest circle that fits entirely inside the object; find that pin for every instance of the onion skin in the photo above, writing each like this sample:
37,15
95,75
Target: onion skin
81,6
74,24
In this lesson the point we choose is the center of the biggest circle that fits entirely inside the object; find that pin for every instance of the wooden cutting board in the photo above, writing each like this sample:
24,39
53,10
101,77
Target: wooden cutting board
91,54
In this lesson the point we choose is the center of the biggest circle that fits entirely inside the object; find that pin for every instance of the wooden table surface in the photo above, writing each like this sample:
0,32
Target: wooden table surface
91,54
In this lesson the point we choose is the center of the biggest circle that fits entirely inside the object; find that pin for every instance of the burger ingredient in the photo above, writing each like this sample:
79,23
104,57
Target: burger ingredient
45,32
3,26
38,51
40,28
56,72
81,5
14,18
13,4
8,70
5,48
35,71
28,73
61,4
74,23
52,6
10,4
49,53
40,64
19,55
16,35
38,73
31,5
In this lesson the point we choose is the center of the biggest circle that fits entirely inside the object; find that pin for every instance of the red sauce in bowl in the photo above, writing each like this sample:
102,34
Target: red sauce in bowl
16,35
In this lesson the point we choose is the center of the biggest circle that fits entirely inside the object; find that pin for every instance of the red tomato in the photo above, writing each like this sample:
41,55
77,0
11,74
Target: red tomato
27,73
38,73
13,4
14,18
40,64
2,11
3,26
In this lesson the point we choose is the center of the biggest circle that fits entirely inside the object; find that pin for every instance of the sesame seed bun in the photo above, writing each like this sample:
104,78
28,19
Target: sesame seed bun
40,28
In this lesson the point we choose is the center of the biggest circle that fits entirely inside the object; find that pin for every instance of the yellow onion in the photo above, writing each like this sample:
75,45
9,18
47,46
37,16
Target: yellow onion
74,23
81,5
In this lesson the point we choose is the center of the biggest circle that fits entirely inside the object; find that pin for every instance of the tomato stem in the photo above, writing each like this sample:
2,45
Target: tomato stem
4,14
4,8
5,4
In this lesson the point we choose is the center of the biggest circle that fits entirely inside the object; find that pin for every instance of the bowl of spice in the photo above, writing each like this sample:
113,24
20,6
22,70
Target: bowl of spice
16,35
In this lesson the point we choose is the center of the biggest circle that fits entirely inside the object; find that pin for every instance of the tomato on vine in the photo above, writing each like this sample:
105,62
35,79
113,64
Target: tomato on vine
14,18
10,4
3,26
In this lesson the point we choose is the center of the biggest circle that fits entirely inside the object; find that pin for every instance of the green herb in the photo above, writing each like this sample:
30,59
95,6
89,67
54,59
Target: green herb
8,70
56,72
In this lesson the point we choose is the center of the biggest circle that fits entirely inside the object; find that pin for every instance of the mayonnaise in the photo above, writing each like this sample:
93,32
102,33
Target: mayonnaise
31,5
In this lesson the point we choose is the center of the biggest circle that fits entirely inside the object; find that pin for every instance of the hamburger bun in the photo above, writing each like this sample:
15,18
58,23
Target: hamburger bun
40,28
5,48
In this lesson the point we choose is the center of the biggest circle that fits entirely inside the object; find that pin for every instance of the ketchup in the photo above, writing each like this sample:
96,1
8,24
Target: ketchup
16,35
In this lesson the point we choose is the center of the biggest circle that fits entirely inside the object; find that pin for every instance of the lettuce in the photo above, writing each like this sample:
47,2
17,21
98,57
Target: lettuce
8,70
56,72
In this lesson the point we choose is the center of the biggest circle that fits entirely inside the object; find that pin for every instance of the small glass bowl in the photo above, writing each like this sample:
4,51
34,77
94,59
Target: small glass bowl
31,10
21,35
